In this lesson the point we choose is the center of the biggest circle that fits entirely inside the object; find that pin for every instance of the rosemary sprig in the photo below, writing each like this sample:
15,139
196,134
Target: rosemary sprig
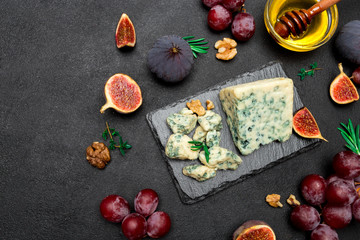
303,73
198,146
194,45
111,132
351,136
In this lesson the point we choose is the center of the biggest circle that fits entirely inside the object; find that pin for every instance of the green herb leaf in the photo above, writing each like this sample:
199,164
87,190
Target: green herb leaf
194,45
112,133
303,73
188,37
351,136
207,154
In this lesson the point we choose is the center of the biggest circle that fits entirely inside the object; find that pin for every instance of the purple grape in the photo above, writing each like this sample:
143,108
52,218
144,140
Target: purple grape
340,193
134,226
324,232
305,217
347,164
313,189
211,3
232,5
219,18
334,177
243,26
114,208
356,210
158,224
356,76
337,216
146,202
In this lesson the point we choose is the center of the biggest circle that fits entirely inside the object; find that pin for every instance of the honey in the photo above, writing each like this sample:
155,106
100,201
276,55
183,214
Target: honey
318,30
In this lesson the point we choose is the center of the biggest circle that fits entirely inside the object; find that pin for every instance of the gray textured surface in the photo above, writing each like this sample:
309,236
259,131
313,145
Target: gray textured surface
190,190
55,58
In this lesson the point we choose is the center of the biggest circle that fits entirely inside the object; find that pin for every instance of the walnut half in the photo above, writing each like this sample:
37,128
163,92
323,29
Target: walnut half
274,200
196,107
226,49
98,155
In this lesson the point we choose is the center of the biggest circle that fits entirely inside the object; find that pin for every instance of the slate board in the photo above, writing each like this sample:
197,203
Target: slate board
190,190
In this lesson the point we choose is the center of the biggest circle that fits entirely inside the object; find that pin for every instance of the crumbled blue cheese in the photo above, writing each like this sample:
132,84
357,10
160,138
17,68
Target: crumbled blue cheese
178,147
186,111
213,138
259,112
210,121
220,158
180,123
199,134
199,172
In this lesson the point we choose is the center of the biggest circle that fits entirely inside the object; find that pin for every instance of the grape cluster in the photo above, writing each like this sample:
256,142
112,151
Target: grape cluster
221,14
339,195
134,225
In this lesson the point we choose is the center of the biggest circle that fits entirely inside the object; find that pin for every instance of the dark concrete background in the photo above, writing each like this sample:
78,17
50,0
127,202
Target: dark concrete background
55,58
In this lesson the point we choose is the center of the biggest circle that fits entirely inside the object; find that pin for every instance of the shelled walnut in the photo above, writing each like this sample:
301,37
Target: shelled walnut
98,155
209,105
292,201
196,107
274,200
226,49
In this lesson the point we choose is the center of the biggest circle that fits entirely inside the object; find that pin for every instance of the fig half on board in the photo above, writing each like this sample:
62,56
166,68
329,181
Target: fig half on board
122,93
305,125
254,229
171,58
342,90
125,32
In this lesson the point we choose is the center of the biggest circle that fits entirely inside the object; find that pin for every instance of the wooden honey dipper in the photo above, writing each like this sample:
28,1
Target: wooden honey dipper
297,21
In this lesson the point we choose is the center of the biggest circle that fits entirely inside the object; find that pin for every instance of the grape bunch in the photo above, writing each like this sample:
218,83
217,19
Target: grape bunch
338,198
221,14
135,225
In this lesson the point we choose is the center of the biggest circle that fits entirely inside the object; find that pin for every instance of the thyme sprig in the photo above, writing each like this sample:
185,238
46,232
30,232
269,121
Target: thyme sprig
198,146
111,132
195,45
351,136
303,73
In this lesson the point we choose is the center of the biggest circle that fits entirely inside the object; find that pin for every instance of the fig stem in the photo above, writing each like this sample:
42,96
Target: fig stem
103,108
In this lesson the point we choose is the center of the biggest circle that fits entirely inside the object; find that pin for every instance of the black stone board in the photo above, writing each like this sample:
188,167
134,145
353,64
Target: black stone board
192,191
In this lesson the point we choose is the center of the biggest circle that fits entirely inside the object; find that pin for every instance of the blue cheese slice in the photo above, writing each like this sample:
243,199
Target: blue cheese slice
178,147
220,158
199,134
259,112
213,138
182,123
210,121
199,172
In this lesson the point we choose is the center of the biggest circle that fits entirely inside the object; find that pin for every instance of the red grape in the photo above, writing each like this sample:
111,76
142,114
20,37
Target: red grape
357,179
333,178
134,226
219,18
158,224
337,216
232,5
313,189
340,193
356,76
211,3
243,26
347,164
114,208
146,202
305,217
356,210
324,232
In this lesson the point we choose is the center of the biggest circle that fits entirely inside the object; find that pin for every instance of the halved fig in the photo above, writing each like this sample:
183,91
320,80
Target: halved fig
254,229
122,94
342,90
125,32
305,125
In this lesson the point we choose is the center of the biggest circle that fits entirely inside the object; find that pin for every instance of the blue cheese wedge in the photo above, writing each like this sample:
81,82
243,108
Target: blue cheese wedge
178,147
199,134
210,121
199,172
182,123
186,111
220,158
259,112
213,138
